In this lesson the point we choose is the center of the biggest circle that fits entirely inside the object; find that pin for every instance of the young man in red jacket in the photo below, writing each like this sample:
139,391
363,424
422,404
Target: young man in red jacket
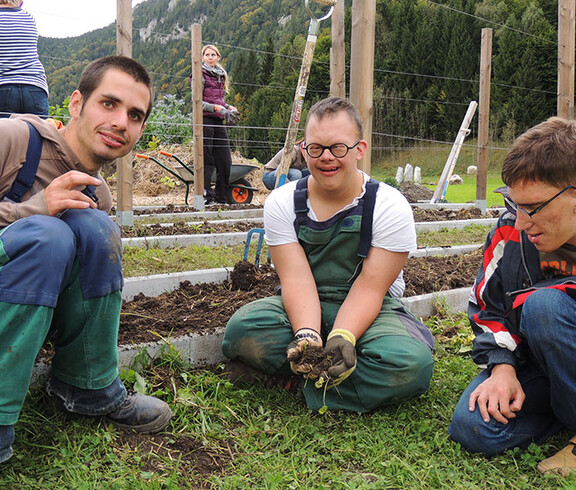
523,306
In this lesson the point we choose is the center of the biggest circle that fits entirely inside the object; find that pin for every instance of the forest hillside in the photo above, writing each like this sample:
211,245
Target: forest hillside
426,64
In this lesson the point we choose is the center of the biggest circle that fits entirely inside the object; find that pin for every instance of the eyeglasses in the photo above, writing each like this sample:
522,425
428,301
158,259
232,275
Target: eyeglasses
339,150
513,208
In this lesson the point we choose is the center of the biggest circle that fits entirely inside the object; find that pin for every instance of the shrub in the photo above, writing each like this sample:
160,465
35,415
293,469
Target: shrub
167,124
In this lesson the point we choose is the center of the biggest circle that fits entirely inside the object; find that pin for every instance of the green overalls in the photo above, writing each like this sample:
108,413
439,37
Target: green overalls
394,358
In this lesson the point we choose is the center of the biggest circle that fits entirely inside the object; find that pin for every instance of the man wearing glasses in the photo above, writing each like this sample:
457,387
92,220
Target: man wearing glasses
523,309
338,240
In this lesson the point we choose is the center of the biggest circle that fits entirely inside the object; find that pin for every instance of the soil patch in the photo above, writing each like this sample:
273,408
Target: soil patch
441,214
194,457
315,357
200,308
204,227
174,209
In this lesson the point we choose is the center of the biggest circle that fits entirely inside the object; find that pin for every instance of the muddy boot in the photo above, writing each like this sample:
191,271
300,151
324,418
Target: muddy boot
243,375
127,409
562,463
142,413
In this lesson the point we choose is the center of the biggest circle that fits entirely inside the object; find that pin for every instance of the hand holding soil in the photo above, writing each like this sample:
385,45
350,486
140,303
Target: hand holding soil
313,356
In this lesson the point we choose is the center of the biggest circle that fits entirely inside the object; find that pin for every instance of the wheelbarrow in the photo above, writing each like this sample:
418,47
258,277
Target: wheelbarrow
239,191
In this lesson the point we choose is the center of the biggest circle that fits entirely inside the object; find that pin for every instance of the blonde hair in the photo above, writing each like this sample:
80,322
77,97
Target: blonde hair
215,49
12,3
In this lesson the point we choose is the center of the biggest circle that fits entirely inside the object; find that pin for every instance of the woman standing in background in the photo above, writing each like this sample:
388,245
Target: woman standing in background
23,84
216,143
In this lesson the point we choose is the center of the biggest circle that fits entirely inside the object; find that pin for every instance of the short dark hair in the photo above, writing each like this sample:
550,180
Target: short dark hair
332,106
545,153
92,75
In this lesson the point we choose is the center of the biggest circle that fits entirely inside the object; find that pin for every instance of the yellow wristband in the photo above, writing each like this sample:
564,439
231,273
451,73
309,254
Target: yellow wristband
349,336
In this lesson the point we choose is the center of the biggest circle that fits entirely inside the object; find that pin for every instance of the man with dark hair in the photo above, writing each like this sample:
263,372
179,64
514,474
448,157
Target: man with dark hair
61,255
339,241
95,71
522,307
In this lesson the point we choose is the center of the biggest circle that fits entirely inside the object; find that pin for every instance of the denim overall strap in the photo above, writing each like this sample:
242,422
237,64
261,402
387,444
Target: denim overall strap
300,204
369,201
27,173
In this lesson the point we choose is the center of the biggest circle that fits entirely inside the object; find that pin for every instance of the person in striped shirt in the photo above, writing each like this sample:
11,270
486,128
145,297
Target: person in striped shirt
23,84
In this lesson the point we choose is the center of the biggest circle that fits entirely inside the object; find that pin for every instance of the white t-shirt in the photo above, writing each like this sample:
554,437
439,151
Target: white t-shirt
392,226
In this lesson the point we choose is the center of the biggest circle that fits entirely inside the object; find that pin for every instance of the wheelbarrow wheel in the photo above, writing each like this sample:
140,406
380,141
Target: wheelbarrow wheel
240,195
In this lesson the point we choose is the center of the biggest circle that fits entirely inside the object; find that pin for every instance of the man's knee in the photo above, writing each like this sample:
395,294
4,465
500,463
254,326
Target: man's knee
93,226
37,238
543,313
258,334
473,434
464,429
37,255
545,301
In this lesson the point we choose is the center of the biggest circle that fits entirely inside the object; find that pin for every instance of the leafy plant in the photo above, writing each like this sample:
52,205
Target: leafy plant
168,182
166,124
61,113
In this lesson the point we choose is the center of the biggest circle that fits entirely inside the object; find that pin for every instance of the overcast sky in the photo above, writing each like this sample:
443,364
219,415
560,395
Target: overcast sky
67,18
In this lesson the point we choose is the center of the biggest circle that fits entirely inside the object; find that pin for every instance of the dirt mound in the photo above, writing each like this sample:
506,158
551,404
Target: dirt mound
415,192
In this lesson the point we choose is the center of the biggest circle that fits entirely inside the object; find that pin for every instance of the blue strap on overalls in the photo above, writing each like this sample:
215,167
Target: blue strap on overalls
369,201
27,173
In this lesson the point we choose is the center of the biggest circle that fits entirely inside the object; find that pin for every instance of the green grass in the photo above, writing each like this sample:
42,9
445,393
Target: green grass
141,261
466,192
432,159
267,439
431,163
445,237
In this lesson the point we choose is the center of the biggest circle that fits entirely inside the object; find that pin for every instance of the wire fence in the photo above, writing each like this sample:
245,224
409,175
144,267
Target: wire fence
175,127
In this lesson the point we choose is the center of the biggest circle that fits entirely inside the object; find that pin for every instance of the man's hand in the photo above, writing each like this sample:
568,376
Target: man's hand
341,349
303,339
60,195
499,396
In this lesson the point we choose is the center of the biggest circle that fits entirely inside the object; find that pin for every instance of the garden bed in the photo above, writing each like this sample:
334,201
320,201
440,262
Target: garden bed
203,308
205,226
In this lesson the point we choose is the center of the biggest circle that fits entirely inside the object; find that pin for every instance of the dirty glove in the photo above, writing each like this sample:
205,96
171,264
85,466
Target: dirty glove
341,350
232,117
296,353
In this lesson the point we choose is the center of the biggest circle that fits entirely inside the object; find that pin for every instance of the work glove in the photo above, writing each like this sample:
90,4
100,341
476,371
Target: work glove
341,350
303,340
232,117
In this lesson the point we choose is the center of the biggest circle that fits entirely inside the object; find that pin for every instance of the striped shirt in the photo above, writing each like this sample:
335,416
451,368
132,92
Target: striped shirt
19,62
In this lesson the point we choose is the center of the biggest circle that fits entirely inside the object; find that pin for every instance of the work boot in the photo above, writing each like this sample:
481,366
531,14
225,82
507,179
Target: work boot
562,463
122,407
143,413
6,440
242,374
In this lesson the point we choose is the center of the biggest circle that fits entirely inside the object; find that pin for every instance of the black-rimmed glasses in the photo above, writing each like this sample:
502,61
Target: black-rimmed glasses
513,208
339,150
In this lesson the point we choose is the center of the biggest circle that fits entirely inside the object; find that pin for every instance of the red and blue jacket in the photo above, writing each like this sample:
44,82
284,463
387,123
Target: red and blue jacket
509,273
